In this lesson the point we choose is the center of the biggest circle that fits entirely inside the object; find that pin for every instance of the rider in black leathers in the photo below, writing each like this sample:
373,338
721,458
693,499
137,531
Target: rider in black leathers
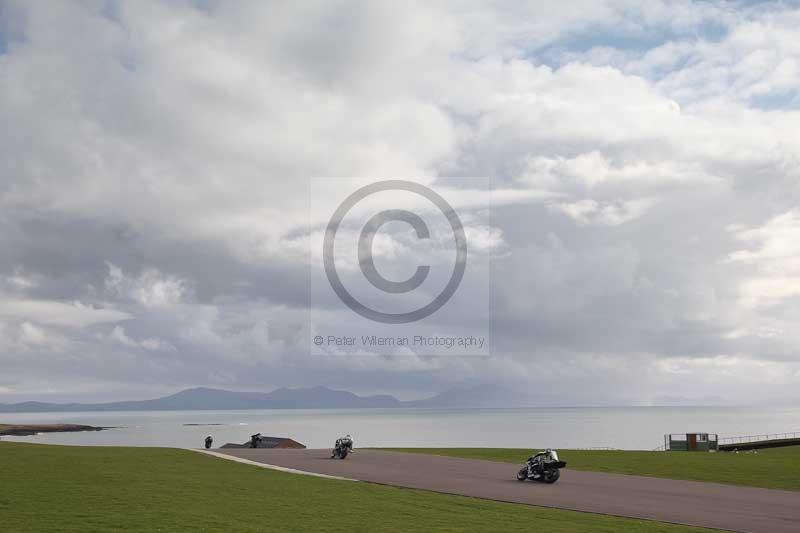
535,462
341,442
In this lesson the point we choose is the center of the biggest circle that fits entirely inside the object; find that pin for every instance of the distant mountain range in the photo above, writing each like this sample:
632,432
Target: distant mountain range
202,398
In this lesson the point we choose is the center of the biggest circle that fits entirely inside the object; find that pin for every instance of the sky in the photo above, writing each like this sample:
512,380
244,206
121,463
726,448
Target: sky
644,158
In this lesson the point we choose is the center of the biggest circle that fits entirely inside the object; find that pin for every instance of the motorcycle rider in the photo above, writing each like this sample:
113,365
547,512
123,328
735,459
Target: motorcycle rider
341,442
209,442
544,467
535,463
255,440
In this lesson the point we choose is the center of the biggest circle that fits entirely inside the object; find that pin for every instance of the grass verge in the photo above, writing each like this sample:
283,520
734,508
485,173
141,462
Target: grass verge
776,468
96,489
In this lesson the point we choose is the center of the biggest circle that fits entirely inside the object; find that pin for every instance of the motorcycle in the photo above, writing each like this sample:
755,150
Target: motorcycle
342,448
543,467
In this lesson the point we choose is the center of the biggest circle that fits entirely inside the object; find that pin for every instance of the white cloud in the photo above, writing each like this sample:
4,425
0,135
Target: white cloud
156,345
75,314
119,335
150,289
31,334
19,281
621,141
776,260
587,212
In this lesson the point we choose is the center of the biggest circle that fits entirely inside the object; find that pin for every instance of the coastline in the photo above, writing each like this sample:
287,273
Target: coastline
24,430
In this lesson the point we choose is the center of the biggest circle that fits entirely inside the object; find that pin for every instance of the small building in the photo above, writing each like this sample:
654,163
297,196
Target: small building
280,442
691,442
269,442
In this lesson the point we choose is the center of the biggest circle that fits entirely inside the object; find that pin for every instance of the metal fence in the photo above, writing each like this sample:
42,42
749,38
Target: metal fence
743,439
756,438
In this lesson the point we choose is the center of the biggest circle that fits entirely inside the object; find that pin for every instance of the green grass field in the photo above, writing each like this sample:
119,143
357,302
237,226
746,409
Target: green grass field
777,468
92,489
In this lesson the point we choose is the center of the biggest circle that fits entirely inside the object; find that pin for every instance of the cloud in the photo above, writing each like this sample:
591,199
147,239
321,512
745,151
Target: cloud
119,336
776,260
641,161
150,289
75,314
589,211
31,334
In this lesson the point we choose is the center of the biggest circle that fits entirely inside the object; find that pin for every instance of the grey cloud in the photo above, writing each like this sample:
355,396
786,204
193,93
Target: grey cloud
158,159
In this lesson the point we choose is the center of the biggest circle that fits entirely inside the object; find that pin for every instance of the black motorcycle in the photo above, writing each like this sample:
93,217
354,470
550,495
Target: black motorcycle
342,448
543,467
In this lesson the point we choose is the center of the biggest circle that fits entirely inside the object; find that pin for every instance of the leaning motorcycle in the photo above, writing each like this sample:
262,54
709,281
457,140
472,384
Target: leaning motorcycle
543,467
342,448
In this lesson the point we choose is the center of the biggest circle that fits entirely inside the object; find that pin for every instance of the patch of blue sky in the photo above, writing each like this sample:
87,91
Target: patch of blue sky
111,11
127,59
208,6
632,39
11,29
8,40
778,100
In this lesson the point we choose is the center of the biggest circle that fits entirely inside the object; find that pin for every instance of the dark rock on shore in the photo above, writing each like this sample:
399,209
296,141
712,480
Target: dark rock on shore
21,430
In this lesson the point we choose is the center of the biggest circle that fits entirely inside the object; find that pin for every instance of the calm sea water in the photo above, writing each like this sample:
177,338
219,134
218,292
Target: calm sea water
569,427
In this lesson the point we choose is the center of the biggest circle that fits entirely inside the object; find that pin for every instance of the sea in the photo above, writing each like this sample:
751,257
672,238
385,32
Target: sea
631,428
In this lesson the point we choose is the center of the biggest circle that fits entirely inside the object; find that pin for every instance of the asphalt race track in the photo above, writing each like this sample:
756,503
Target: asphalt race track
686,502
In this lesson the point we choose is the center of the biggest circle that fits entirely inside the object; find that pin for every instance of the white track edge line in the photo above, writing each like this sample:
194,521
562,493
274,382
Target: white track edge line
271,467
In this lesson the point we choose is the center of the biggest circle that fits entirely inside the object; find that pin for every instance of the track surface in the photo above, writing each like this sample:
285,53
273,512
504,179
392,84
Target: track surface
686,502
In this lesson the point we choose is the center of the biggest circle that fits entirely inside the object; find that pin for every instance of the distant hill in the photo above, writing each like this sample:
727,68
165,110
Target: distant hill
202,398
476,396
